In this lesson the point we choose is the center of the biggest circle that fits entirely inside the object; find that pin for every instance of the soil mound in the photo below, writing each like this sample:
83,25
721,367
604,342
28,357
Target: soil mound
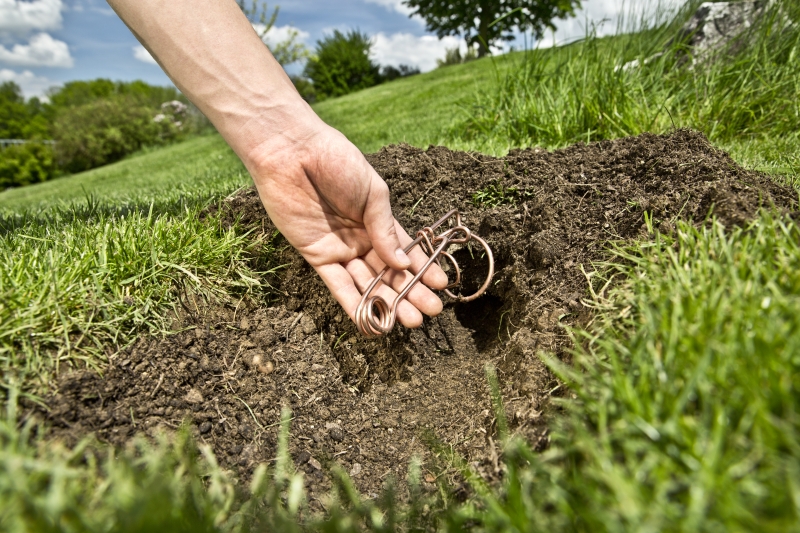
368,404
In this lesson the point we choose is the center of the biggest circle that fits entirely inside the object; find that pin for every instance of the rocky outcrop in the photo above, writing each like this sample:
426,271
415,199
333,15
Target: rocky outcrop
718,26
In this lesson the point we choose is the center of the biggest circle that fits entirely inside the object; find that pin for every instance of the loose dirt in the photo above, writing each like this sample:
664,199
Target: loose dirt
370,405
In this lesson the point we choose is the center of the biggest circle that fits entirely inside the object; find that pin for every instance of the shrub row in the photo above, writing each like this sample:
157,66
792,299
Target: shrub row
93,123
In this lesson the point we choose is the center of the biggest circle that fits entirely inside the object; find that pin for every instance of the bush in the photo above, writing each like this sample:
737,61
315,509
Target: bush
305,87
342,65
106,130
389,72
77,93
25,164
452,56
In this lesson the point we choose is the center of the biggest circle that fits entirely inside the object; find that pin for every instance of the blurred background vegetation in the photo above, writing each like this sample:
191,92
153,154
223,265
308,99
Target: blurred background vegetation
87,124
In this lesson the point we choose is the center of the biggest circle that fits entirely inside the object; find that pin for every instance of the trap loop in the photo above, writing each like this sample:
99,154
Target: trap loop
375,317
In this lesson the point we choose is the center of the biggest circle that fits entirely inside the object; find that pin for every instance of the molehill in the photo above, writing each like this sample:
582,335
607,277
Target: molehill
370,405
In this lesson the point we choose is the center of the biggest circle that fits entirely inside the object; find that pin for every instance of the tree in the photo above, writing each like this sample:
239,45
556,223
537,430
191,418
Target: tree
287,51
342,65
484,22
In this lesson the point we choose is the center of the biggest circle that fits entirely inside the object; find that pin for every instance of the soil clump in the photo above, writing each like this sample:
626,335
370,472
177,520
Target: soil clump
370,405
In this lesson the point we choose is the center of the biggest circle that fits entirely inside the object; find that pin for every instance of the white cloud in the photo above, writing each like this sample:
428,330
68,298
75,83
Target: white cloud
392,5
19,18
416,51
30,83
606,17
41,51
141,53
278,34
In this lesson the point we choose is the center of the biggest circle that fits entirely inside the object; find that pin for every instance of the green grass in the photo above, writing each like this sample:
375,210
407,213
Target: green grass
681,410
89,279
418,110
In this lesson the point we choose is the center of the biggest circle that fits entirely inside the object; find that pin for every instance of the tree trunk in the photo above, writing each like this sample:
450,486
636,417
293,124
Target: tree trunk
483,32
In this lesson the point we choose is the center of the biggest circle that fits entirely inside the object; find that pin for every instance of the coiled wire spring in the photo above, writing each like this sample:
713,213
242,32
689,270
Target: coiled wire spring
375,317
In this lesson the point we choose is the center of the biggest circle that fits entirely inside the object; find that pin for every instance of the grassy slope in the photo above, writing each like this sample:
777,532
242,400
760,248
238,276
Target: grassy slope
196,166
418,110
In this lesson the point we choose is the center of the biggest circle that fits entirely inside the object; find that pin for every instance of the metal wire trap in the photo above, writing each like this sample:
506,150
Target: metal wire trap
375,317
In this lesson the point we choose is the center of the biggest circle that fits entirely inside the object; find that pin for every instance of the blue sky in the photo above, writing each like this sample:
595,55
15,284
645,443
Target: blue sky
44,43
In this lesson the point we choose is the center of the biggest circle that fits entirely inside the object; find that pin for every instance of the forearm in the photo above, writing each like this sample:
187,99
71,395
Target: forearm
213,55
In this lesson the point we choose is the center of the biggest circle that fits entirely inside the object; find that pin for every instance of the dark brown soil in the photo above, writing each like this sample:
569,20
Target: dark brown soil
366,404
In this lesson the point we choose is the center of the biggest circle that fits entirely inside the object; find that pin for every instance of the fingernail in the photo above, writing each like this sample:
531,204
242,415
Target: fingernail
402,257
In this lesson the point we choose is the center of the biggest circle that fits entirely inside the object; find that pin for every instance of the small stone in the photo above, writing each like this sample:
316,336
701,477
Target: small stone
244,324
356,470
205,427
193,396
430,478
267,368
315,464
336,434
307,325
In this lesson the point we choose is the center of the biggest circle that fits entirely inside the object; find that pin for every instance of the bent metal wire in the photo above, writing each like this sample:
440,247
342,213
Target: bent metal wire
374,317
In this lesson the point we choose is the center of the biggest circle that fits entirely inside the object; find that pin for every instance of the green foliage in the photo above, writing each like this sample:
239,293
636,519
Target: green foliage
25,164
485,23
18,119
452,56
391,73
305,87
195,171
79,93
495,194
106,130
341,64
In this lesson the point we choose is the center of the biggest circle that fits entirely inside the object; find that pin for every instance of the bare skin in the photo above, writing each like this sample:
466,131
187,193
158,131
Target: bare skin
316,186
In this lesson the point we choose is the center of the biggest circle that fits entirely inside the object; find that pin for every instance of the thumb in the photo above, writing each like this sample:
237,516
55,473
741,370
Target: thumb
380,226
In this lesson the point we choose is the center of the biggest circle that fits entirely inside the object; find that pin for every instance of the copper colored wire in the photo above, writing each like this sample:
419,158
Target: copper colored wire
375,317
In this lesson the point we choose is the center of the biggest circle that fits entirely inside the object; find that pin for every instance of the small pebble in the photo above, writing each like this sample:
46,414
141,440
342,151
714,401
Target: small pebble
193,396
205,427
314,463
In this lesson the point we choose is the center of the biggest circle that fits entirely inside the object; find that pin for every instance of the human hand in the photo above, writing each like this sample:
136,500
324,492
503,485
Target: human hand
332,206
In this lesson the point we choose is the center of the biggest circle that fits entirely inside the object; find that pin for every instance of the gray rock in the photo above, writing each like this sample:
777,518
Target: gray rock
716,25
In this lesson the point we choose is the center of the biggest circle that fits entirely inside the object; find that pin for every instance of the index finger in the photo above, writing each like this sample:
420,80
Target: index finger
434,277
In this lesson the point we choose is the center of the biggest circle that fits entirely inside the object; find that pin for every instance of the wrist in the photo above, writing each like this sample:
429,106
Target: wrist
280,132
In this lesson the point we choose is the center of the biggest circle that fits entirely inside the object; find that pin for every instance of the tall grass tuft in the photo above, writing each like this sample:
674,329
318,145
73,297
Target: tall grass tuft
591,90
88,278
682,413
